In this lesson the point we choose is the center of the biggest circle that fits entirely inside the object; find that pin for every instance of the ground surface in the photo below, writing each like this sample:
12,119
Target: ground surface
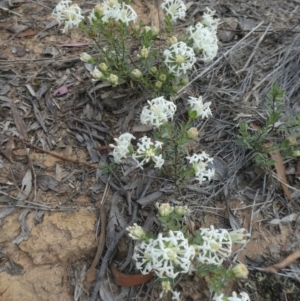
50,205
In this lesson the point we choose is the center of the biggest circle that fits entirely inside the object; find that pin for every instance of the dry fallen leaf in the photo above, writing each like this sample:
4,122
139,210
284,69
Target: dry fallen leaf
18,120
26,186
129,280
49,183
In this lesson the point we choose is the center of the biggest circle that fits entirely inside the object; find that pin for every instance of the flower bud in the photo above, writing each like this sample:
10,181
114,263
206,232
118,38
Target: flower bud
292,140
155,30
144,52
192,132
164,209
113,79
296,154
85,57
240,271
174,88
181,210
166,287
153,70
137,27
172,40
136,232
136,73
97,74
184,81
239,236
162,77
103,67
99,10
147,28
158,85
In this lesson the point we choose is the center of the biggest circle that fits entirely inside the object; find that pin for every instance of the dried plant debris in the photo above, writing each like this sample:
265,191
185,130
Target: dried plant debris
46,183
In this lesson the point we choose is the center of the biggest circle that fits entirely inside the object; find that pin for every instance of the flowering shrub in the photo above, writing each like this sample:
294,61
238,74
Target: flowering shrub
159,61
129,52
168,150
175,252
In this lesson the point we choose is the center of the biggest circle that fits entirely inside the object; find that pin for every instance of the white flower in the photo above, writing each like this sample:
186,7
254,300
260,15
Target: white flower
218,297
199,162
159,112
166,287
111,9
216,246
127,14
167,256
92,17
68,14
176,296
179,58
121,150
118,12
205,40
148,151
174,8
202,109
159,161
244,297
209,21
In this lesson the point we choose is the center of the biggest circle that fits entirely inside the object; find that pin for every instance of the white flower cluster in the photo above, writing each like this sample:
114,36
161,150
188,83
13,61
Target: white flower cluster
147,151
159,111
202,109
167,256
179,58
216,246
174,8
68,13
118,12
244,297
204,36
200,162
121,150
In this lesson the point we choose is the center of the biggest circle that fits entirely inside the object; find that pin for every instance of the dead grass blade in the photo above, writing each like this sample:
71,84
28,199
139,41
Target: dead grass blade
19,122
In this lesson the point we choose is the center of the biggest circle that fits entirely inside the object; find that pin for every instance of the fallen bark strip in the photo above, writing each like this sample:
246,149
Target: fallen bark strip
108,255
91,274
282,264
55,154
